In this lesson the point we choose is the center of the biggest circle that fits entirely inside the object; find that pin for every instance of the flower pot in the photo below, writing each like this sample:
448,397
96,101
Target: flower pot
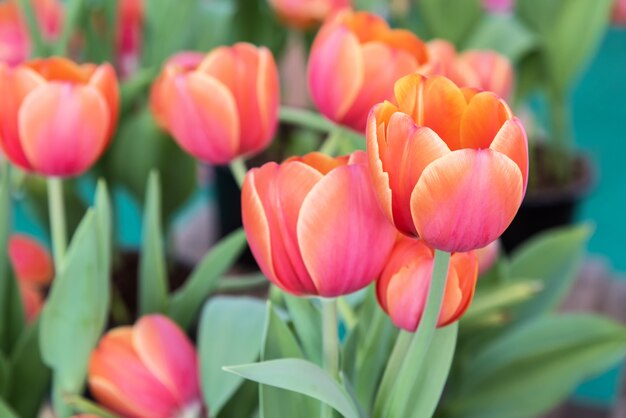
546,205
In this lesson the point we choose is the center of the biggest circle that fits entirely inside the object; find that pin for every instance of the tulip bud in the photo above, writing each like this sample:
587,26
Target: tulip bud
450,165
56,117
314,226
15,45
33,268
303,14
481,69
129,34
402,289
222,108
355,60
149,370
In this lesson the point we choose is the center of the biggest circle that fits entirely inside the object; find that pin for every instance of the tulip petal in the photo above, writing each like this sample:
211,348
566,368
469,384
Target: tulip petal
335,72
382,67
32,300
63,128
344,237
202,116
15,85
464,266
119,381
268,94
407,294
511,141
410,149
281,191
483,118
105,81
61,69
377,146
466,199
321,162
31,261
169,355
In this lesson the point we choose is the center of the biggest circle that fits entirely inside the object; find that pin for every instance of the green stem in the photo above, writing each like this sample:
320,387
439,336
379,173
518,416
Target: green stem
331,143
394,364
330,340
56,209
347,313
34,30
239,170
562,136
306,119
74,10
242,284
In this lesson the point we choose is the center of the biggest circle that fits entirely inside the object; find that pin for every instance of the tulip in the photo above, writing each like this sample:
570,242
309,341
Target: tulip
15,45
223,108
450,165
56,117
149,370
130,34
402,289
33,268
314,226
481,69
487,256
303,14
355,60
498,6
618,15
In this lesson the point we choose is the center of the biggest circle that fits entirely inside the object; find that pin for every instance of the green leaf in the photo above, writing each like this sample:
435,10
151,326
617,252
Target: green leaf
501,297
152,270
531,368
186,302
429,384
84,406
4,375
11,309
75,313
502,33
279,342
300,376
554,257
450,19
6,411
30,378
307,322
231,331
569,32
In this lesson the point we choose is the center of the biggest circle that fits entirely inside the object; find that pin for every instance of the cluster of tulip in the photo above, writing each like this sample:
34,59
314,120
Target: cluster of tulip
444,172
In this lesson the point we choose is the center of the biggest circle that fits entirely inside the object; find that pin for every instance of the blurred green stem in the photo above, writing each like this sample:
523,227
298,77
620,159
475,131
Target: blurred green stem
74,10
56,209
306,119
232,284
331,143
562,136
239,170
347,313
34,30
330,340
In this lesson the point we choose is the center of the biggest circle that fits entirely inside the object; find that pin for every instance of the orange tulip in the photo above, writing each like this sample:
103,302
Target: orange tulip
355,60
149,370
56,117
402,289
487,256
314,226
130,34
15,44
222,108
303,14
33,268
481,69
450,165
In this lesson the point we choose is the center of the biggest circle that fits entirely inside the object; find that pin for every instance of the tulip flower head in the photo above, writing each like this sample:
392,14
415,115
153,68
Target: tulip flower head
314,226
481,69
303,14
149,370
618,15
355,60
402,289
130,34
33,268
450,165
223,107
57,117
15,44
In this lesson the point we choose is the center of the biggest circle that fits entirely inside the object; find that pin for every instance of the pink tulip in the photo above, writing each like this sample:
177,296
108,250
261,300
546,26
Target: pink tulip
149,370
618,16
499,6
487,256
314,226
130,34
303,14
222,108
